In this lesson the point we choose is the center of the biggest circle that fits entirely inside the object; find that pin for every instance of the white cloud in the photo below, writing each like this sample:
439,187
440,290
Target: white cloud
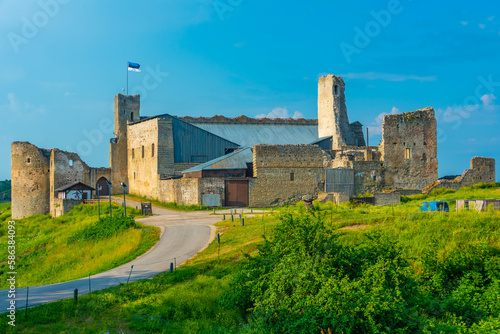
375,128
488,101
481,25
491,18
280,112
464,23
19,109
387,76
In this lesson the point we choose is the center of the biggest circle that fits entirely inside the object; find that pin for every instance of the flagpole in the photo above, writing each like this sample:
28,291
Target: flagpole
127,78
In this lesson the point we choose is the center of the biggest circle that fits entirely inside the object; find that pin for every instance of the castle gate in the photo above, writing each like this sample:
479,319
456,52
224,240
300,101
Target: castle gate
104,186
340,180
237,193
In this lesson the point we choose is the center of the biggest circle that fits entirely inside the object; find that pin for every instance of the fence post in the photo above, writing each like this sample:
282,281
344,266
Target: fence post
171,266
27,294
90,290
131,267
75,295
242,221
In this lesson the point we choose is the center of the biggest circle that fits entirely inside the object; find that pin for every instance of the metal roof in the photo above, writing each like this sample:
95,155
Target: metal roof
75,186
235,160
264,133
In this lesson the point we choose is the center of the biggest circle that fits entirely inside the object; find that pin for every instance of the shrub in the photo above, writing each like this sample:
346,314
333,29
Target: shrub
103,228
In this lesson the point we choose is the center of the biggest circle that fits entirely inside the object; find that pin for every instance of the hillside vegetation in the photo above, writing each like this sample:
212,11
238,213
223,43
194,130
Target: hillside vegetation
52,250
5,190
342,269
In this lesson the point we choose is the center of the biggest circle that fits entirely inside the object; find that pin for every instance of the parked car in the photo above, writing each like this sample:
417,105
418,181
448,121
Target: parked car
431,206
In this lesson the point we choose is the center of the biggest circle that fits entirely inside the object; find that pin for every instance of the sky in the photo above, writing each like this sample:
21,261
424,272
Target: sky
63,61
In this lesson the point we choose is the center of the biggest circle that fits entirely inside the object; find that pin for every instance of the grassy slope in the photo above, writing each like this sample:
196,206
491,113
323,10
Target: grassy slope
187,301
44,255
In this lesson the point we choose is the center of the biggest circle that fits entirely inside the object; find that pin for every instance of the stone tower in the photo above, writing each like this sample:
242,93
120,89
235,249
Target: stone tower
30,173
332,112
127,109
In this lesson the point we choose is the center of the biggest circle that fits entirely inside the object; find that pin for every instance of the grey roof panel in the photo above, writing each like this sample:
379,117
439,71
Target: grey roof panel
265,133
235,160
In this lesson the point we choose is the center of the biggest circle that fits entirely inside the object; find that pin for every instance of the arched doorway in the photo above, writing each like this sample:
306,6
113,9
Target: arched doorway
103,182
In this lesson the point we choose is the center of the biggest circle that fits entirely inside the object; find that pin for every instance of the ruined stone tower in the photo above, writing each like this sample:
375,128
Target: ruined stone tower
30,172
332,113
127,109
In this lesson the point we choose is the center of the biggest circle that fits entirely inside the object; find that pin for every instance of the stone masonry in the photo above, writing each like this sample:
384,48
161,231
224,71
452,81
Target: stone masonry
284,173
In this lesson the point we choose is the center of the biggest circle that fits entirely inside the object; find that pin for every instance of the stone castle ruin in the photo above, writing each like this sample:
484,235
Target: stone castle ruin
241,161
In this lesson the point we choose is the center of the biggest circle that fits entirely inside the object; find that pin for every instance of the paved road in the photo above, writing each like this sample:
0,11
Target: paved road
183,235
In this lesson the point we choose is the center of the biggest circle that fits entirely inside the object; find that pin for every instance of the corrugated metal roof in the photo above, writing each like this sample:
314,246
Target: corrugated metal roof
265,133
235,160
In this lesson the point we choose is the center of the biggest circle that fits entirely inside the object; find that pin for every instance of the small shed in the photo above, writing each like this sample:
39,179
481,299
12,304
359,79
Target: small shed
74,191
478,204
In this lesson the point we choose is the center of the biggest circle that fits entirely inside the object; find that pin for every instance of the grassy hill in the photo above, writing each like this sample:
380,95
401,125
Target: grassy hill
341,269
52,250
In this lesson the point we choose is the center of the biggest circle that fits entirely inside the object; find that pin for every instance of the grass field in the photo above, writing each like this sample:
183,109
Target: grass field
45,252
390,266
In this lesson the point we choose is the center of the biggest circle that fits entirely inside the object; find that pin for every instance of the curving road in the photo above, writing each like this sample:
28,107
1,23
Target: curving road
183,235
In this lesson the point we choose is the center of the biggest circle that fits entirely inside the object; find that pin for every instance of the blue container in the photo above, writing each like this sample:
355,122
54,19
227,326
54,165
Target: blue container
431,206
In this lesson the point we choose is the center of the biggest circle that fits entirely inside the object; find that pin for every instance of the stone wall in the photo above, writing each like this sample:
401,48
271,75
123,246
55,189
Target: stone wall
284,173
62,206
482,170
369,176
387,198
332,112
336,198
127,109
409,149
181,191
30,175
143,158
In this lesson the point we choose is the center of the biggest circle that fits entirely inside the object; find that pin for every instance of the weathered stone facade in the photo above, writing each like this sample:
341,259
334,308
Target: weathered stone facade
30,172
332,114
36,173
409,149
284,173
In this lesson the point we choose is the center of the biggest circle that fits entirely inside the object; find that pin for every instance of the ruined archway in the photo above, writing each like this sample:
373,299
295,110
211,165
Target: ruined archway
103,182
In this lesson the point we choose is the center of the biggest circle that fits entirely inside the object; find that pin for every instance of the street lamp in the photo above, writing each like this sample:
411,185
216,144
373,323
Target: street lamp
99,188
124,186
109,189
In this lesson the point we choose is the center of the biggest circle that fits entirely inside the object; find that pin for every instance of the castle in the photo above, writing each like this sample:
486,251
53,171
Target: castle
241,161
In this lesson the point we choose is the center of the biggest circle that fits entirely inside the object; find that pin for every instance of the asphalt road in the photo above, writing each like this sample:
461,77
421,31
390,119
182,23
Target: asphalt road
183,235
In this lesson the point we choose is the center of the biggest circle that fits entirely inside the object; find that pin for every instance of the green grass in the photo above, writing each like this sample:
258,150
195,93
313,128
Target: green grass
49,250
172,205
444,254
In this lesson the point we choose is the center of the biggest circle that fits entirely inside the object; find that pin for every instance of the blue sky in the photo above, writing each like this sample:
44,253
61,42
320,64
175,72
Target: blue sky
64,60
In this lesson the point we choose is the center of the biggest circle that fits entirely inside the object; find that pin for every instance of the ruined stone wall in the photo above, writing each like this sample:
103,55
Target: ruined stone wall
332,112
482,170
181,166
347,155
127,109
30,175
409,149
66,168
284,173
143,158
369,176
62,206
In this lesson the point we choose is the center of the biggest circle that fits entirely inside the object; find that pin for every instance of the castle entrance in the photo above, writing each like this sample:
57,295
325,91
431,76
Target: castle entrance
103,182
